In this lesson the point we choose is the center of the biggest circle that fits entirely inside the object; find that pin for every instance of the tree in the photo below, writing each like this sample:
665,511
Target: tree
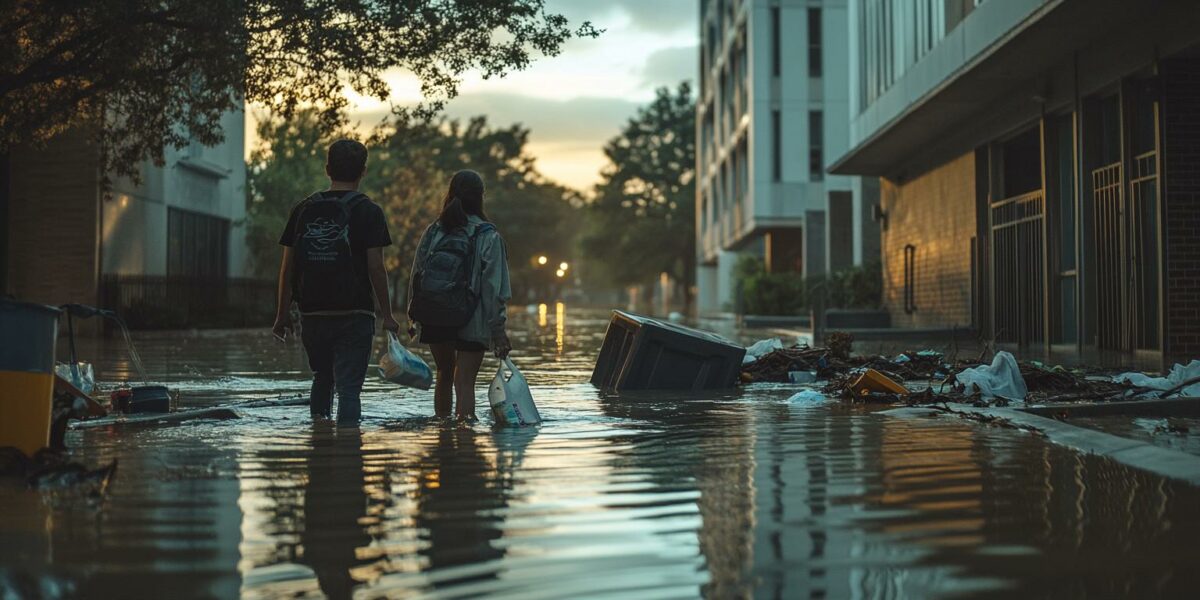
642,218
147,74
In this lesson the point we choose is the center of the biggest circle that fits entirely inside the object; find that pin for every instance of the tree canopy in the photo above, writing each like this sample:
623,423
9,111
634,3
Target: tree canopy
147,74
642,218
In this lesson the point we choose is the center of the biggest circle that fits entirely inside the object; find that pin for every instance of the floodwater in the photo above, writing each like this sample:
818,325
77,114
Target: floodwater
739,494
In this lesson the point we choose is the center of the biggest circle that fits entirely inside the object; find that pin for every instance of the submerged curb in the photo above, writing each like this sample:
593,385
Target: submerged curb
1165,462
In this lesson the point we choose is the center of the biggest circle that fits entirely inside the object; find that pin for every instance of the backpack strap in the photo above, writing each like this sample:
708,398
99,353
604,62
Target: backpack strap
348,202
305,203
296,273
480,229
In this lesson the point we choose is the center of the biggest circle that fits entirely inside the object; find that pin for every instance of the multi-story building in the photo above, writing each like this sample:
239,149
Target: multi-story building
165,246
1038,163
773,109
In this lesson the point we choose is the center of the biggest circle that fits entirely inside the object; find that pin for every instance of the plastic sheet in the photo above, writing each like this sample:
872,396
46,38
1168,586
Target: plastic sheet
1178,376
1001,379
760,349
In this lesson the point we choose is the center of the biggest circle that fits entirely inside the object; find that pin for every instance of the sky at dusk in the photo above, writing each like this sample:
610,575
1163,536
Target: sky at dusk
574,102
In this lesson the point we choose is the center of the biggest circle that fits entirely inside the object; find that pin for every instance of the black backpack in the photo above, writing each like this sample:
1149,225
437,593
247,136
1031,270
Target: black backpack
324,277
442,294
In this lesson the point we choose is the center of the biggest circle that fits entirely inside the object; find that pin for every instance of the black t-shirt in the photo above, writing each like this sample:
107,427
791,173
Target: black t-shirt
368,229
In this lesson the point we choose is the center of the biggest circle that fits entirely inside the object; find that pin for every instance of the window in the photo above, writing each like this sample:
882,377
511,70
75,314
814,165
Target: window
197,245
1022,164
814,43
776,146
1060,183
816,142
775,41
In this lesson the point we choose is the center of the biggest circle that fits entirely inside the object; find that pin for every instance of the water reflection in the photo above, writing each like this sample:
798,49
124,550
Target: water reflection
560,326
459,500
335,506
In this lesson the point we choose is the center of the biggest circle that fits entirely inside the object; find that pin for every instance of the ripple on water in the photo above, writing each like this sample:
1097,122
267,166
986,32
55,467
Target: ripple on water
629,495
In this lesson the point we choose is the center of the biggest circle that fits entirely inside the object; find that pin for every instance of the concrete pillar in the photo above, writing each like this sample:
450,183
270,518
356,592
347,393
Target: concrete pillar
814,243
706,290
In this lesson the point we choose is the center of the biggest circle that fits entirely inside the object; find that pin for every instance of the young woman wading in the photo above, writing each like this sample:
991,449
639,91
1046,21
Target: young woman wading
459,292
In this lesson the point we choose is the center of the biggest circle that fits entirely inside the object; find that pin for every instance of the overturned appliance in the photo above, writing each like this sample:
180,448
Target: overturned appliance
138,399
641,353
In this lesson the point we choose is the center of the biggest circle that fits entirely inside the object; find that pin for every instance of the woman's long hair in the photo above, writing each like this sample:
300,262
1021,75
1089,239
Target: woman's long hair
464,198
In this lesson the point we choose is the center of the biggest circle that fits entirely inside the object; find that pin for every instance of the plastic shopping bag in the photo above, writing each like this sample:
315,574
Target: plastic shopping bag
399,365
512,403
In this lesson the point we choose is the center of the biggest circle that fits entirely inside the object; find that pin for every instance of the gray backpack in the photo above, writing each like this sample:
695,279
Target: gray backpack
442,294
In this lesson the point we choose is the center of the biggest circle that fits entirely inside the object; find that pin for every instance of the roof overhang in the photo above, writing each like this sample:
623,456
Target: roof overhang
1010,76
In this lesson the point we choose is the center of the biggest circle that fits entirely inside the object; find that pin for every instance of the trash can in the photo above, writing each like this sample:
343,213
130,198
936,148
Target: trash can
28,333
640,353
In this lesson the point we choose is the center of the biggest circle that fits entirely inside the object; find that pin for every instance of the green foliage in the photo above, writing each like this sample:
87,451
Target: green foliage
156,73
408,172
286,166
642,220
747,266
764,293
854,287
790,294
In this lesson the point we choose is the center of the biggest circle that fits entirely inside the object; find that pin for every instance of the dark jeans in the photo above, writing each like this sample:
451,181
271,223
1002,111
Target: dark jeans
339,349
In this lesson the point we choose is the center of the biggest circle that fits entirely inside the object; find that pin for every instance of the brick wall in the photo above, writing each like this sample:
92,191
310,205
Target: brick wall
1181,207
936,213
53,213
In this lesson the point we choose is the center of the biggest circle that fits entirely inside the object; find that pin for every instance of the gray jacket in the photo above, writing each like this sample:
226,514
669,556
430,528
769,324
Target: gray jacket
489,280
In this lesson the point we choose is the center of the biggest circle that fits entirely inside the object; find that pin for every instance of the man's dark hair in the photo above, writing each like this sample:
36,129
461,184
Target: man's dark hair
346,161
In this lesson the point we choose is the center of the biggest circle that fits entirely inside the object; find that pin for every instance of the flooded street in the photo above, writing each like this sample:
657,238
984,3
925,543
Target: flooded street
624,496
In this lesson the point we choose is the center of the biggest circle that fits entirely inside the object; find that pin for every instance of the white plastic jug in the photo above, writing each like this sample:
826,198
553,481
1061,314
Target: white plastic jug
400,365
512,403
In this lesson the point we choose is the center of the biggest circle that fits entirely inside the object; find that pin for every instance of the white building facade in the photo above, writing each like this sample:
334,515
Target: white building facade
773,108
168,252
186,218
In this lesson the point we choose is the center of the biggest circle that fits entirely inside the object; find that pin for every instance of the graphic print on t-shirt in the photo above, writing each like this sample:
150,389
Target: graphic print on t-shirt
320,237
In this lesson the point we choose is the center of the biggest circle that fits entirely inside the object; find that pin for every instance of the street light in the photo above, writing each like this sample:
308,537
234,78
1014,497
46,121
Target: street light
560,273
543,260
563,266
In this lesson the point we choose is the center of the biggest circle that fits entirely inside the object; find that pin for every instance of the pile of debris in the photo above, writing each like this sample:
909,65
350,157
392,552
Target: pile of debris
780,365
927,376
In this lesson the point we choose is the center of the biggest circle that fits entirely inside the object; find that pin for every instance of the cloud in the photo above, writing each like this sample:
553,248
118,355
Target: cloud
659,16
566,136
670,66
574,120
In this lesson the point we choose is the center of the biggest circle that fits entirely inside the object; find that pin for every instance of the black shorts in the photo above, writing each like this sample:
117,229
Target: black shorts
444,335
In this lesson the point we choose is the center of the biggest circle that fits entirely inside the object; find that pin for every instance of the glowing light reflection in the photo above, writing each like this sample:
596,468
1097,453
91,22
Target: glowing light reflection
560,322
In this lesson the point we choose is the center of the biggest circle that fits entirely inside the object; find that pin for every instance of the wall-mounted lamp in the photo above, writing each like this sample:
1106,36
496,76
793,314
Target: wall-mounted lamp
878,215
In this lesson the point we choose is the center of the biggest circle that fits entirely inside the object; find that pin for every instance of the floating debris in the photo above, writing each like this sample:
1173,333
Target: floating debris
50,470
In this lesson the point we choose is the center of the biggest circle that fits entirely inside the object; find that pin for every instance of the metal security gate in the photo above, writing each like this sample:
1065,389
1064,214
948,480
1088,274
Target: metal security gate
1110,263
1127,265
1143,251
1018,268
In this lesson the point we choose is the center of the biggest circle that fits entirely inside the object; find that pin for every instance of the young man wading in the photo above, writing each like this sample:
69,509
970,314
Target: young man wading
333,267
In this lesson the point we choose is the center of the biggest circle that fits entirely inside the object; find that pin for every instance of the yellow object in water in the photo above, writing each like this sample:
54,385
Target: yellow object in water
28,333
25,405
874,381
